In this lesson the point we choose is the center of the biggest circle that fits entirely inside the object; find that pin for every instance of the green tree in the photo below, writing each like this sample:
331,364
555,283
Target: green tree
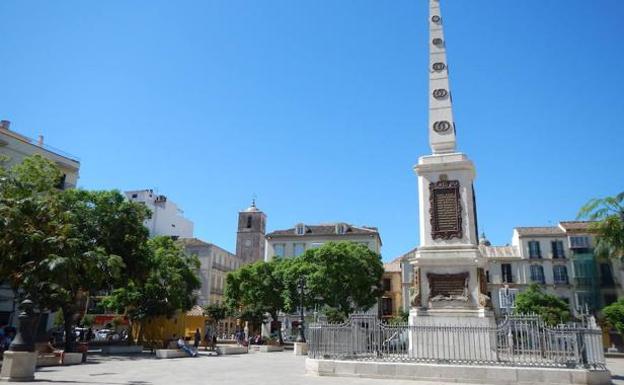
77,266
614,315
27,224
344,276
215,312
169,286
608,214
256,287
550,308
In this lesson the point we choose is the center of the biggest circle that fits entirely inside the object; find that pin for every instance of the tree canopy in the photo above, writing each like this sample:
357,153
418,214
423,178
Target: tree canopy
169,285
338,277
614,315
550,308
608,214
58,247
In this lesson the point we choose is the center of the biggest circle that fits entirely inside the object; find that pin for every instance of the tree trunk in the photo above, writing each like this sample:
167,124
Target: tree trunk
130,330
279,329
68,316
140,333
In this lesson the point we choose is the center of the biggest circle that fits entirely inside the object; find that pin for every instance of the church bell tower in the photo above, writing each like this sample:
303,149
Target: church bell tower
250,236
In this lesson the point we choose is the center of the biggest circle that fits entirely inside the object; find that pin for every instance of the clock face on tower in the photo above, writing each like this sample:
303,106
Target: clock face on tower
247,242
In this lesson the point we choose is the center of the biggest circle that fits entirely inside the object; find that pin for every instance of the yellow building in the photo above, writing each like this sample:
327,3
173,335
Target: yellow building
158,331
392,298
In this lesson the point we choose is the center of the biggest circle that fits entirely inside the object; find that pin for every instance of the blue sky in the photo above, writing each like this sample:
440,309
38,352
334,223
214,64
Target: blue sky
319,107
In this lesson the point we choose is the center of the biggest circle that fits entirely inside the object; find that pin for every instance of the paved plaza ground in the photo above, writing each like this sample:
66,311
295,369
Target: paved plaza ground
257,369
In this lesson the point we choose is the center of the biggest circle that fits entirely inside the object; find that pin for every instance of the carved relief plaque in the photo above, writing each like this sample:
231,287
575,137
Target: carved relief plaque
445,210
441,126
440,93
448,287
439,66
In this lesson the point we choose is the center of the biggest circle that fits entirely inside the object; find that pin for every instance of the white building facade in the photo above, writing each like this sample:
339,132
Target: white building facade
558,258
167,218
295,241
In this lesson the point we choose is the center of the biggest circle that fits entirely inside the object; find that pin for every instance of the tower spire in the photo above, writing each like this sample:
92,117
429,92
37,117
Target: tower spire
441,123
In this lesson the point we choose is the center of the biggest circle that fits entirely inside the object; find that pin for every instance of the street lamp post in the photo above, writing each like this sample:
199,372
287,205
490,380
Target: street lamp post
301,337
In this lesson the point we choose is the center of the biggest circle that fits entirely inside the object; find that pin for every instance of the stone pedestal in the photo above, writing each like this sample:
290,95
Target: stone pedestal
18,366
301,349
453,334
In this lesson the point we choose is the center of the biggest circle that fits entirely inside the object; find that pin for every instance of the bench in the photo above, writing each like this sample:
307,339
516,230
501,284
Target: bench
170,353
265,348
224,350
48,359
72,358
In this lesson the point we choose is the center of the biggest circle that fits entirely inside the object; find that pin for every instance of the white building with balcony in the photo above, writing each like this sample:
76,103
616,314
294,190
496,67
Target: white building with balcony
558,258
17,147
167,218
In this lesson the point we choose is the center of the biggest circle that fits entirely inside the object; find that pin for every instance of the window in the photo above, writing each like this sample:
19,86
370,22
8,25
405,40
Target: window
316,245
534,249
506,273
134,196
557,249
386,306
61,182
300,229
507,298
537,274
280,249
298,248
341,228
249,222
487,278
606,277
387,284
560,274
579,242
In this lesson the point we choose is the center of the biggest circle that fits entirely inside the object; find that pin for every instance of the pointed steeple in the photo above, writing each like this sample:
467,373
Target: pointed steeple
441,123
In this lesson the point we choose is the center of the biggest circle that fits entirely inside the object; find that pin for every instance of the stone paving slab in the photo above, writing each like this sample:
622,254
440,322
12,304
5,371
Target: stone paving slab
252,369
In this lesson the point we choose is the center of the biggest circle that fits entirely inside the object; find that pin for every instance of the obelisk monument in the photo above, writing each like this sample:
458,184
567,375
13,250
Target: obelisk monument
449,285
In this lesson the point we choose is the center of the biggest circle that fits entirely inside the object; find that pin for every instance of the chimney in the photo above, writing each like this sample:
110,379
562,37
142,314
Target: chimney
40,141
5,124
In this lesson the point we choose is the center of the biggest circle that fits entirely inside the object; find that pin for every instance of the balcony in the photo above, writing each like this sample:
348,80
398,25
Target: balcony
584,281
498,280
220,267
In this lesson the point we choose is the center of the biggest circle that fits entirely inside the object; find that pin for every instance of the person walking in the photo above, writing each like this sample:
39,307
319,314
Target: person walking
196,339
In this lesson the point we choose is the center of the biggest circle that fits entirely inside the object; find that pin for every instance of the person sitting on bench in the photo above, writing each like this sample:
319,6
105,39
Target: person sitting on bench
185,348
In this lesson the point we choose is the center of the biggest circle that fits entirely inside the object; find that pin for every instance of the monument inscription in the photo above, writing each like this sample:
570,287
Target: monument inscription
445,210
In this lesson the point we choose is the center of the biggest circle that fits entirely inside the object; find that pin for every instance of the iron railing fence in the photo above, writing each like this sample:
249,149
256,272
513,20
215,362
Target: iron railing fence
516,341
